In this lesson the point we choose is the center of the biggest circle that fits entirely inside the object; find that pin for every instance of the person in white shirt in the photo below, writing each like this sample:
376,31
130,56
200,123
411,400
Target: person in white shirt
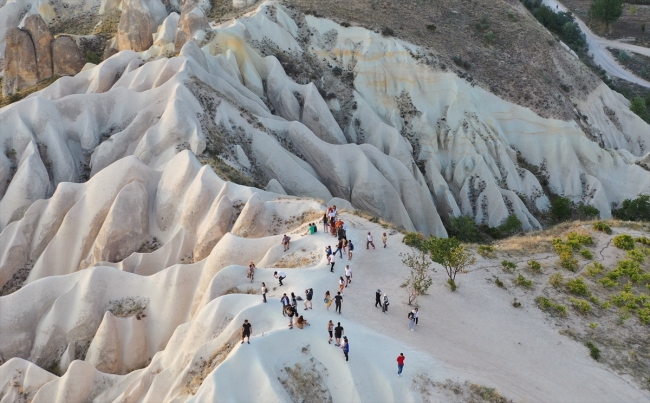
280,275
370,241
331,259
348,275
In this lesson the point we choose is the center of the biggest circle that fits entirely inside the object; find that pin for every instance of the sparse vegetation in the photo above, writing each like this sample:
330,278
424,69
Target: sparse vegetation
595,268
577,286
499,283
128,306
623,241
486,251
606,11
602,227
548,305
634,209
508,266
585,253
419,279
534,266
561,208
581,305
556,280
594,352
449,253
523,281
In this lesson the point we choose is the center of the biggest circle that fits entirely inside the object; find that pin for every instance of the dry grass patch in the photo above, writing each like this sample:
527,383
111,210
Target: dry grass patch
202,368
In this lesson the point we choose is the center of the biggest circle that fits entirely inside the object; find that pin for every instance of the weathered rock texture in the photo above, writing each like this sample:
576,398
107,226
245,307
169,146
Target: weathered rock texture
138,23
42,39
66,56
20,62
192,22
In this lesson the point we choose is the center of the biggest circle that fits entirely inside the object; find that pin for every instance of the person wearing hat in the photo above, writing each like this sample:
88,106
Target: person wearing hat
378,298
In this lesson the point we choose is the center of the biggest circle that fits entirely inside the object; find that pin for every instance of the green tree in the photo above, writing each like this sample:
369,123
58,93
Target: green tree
449,253
638,106
606,11
419,280
561,208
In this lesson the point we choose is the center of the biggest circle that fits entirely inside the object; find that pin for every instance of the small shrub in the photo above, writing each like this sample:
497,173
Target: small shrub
594,352
413,239
535,266
602,227
581,305
458,61
561,208
587,254
575,240
593,325
595,268
516,303
345,24
452,284
636,255
490,37
556,280
464,228
587,211
486,251
499,283
569,263
508,266
523,281
386,31
577,286
608,282
624,242
634,209
643,240
548,305
432,27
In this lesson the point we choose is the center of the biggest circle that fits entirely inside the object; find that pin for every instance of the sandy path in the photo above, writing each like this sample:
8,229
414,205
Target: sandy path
598,49
475,331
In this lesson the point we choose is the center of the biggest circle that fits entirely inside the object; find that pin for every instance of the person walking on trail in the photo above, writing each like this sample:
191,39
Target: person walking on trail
294,301
384,239
339,249
411,317
337,302
328,300
338,333
400,363
341,284
330,330
251,271
348,275
416,314
285,303
285,242
246,330
328,250
378,298
331,259
345,347
384,306
264,290
309,294
369,241
291,313
350,249
280,275
325,223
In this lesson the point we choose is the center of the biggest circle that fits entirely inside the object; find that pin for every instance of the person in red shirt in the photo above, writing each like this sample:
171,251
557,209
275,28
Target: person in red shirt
400,363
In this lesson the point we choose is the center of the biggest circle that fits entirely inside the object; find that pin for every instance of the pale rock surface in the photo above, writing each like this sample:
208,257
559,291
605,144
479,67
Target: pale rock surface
243,3
20,69
67,59
192,24
42,39
138,23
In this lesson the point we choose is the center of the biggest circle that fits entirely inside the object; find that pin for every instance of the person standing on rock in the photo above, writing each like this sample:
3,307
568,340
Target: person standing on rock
400,363
246,330
348,275
285,303
338,332
369,241
332,260
350,249
325,223
378,298
291,312
328,300
384,239
309,294
384,307
280,275
341,284
264,290
345,347
285,242
337,302
411,317
251,271
330,329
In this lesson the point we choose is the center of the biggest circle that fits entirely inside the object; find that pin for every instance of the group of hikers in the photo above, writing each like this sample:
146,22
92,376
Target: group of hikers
337,228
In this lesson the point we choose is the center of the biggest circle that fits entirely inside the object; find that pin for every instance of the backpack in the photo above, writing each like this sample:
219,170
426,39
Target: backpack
410,315
351,246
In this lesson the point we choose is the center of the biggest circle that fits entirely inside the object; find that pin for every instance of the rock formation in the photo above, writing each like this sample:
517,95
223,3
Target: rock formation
21,69
42,39
192,23
138,23
66,56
